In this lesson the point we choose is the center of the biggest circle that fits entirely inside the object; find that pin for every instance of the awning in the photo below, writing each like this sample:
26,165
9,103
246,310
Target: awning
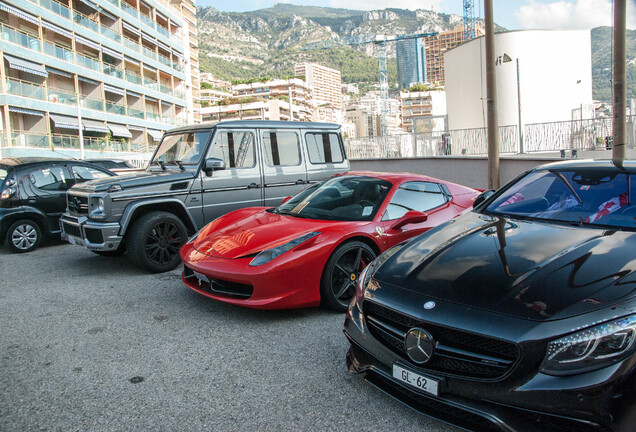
119,130
163,46
150,99
115,90
109,15
112,53
179,56
26,66
136,128
87,80
87,42
25,111
49,69
150,68
95,126
131,28
132,60
65,122
91,5
132,93
57,29
160,15
155,134
17,12
147,38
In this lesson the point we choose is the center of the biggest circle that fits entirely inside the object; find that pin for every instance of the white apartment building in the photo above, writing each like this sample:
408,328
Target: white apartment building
428,106
326,86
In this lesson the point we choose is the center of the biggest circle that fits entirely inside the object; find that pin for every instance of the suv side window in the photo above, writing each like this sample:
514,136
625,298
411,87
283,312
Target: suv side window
235,148
281,148
82,173
324,148
420,196
49,178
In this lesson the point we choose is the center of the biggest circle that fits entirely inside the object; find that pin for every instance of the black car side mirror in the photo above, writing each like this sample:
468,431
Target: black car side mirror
213,164
410,217
483,197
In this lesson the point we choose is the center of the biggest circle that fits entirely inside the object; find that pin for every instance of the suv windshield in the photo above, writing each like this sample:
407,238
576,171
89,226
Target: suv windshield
185,149
342,198
3,174
590,196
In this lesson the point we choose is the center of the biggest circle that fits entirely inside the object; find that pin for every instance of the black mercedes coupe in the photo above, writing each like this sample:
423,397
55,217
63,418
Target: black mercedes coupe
517,316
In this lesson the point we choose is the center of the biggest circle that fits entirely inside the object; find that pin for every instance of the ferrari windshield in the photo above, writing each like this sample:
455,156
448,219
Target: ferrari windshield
185,149
342,198
587,196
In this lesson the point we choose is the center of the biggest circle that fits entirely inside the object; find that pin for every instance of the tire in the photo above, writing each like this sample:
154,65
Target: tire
154,241
340,275
23,235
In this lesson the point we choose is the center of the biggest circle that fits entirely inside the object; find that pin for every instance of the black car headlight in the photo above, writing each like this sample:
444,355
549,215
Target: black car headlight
592,348
269,254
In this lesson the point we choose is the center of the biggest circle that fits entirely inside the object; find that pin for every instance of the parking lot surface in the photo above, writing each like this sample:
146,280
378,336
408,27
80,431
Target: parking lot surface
93,343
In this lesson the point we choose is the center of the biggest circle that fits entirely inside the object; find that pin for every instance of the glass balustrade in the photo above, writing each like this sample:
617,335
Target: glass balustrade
147,21
110,34
25,88
151,84
133,45
65,141
88,62
113,2
134,78
29,139
112,70
149,53
137,113
26,40
164,31
56,8
85,21
59,52
129,9
62,96
164,60
115,108
94,104
165,89
152,116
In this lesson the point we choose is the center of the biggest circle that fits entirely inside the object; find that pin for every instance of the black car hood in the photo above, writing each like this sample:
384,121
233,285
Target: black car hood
528,269
135,180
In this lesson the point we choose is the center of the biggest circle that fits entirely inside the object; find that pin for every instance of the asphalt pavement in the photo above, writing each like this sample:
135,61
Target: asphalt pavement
92,343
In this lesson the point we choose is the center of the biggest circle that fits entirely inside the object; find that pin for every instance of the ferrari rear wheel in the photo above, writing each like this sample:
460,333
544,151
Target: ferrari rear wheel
340,276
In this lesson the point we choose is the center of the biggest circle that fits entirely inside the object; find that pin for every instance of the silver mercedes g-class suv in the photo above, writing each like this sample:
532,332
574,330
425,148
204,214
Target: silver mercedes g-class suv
197,174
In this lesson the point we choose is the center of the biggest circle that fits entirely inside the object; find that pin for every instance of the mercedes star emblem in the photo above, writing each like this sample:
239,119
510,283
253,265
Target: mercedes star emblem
419,345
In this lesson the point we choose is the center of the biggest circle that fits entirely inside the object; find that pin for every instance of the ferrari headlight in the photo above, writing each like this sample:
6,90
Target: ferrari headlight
269,254
592,348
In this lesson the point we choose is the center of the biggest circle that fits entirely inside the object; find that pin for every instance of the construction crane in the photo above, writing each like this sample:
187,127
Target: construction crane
380,41
469,20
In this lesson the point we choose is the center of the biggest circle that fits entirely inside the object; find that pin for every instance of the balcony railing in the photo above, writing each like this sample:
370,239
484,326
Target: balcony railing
129,9
25,88
110,34
164,31
112,70
151,84
137,113
149,53
85,21
19,37
61,96
90,103
146,20
115,108
164,60
133,45
29,139
88,62
58,51
153,116
134,78
56,8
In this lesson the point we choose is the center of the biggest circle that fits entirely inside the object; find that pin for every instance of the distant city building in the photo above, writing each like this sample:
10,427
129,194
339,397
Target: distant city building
210,96
436,46
366,122
426,108
280,99
350,89
411,67
542,76
80,77
326,85
211,80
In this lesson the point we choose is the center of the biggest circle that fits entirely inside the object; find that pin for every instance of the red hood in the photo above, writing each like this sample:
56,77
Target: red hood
251,231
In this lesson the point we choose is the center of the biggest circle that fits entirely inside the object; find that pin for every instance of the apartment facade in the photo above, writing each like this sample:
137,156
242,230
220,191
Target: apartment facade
436,46
427,107
326,86
81,76
280,99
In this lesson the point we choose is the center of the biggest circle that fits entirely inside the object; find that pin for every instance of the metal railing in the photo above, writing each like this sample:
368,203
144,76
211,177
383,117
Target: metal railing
25,88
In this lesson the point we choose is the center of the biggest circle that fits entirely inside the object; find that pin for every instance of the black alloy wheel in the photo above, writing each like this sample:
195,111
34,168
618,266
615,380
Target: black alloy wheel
23,235
340,276
154,241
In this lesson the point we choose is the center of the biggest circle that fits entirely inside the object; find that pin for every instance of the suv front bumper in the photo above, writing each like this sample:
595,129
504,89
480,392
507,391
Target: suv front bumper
95,236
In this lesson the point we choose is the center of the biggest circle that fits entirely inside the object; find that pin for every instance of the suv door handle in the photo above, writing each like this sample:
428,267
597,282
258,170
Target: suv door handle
253,186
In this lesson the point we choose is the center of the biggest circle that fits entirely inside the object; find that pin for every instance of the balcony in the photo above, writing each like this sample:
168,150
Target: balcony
65,97
88,62
19,37
56,8
29,139
134,78
112,70
164,31
147,20
153,116
133,45
149,53
110,34
151,84
129,9
60,52
90,103
115,108
25,88
85,21
164,60
136,113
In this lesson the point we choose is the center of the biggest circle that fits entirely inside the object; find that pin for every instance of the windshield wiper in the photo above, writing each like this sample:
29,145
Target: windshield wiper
178,162
158,162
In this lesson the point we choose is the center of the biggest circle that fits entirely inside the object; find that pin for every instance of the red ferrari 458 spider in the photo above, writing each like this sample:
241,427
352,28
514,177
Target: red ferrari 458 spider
311,249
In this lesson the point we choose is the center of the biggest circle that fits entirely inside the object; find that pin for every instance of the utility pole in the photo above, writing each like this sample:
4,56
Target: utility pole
491,99
619,92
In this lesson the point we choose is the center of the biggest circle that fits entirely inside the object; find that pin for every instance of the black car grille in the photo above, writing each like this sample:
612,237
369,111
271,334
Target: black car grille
218,287
72,230
457,352
78,204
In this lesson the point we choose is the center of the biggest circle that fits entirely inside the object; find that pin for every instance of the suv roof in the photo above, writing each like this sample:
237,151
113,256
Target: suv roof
278,124
19,161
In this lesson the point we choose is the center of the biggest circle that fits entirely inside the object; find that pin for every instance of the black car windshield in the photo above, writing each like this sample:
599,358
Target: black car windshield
3,174
186,149
342,198
586,196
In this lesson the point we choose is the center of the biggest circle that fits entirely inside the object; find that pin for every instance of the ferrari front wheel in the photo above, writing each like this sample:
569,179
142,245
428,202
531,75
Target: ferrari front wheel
340,276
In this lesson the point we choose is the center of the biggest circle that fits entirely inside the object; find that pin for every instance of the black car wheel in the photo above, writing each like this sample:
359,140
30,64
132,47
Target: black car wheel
23,236
340,276
154,241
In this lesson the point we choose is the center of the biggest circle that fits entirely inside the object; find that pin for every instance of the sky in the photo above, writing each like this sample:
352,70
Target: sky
511,14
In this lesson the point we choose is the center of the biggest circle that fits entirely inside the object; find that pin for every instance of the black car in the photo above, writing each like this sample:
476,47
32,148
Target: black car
517,316
112,164
33,197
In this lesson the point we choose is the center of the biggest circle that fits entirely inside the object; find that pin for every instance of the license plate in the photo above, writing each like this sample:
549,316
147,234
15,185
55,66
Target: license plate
429,385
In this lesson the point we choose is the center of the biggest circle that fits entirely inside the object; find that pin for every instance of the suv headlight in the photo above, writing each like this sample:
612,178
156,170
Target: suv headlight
97,208
590,349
